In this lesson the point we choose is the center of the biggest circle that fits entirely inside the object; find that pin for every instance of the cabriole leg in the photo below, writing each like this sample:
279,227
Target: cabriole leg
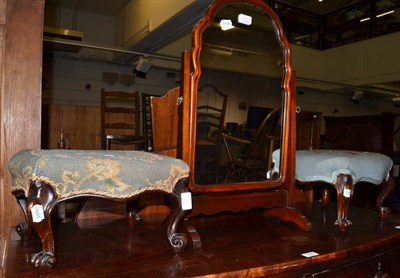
387,188
345,189
178,241
41,201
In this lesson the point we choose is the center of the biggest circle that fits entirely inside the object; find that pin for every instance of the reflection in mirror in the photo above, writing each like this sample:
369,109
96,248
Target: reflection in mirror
240,97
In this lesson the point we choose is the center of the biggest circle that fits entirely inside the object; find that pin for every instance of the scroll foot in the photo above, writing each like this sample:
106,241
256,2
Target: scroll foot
178,242
43,261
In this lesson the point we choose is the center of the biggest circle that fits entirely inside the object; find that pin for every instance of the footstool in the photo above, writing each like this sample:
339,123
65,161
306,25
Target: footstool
343,169
43,178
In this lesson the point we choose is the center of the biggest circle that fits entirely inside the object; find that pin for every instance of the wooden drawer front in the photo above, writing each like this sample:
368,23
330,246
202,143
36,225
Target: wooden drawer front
383,265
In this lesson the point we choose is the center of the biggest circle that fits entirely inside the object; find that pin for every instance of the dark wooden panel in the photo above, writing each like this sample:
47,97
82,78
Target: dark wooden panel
308,129
372,133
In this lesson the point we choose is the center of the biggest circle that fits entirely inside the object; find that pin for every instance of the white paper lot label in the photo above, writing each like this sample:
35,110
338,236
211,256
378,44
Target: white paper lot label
310,254
347,193
186,199
37,213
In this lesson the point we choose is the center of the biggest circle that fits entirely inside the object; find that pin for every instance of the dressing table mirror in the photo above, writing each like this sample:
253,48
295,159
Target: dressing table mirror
239,73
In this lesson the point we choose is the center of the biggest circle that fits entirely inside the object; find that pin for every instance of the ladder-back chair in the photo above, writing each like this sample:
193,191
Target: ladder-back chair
120,120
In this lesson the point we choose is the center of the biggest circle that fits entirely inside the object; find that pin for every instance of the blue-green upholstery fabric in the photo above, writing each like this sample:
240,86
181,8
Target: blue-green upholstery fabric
113,174
327,165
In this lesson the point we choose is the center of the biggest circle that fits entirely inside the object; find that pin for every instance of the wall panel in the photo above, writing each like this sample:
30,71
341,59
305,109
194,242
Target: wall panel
81,125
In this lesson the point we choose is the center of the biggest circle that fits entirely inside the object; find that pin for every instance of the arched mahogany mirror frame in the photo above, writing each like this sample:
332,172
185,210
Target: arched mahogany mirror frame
285,181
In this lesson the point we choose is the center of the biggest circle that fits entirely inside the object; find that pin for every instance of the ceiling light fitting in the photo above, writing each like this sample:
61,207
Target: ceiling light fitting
220,51
301,37
226,24
245,19
379,15
358,94
142,67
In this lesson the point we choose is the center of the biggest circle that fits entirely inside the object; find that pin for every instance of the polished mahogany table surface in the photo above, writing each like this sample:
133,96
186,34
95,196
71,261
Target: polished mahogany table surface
233,245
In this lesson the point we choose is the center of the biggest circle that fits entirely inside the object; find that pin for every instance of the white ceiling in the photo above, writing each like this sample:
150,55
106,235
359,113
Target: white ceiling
102,7
112,7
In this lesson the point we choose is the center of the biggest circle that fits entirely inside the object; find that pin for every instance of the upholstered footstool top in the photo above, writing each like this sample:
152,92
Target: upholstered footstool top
327,165
112,174
43,178
343,169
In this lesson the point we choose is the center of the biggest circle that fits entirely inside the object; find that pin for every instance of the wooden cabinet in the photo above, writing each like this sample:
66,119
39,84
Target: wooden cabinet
308,129
372,133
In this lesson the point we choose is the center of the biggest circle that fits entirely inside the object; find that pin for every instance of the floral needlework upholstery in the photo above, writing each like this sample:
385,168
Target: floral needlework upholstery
113,174
327,165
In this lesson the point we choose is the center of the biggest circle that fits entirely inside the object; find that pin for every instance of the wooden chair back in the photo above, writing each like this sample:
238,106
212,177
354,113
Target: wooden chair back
120,118
147,119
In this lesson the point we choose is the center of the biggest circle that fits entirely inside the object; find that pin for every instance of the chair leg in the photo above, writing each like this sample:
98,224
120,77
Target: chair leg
108,144
325,197
41,201
308,193
132,212
228,173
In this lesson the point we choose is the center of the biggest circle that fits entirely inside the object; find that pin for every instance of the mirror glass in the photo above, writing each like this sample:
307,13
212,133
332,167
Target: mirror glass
240,97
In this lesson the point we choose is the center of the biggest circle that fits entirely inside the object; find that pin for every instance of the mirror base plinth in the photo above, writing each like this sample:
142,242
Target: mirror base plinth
274,203
289,215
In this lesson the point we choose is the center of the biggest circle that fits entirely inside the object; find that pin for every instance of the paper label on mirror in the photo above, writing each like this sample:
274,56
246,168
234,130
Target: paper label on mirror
186,200
347,193
37,213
